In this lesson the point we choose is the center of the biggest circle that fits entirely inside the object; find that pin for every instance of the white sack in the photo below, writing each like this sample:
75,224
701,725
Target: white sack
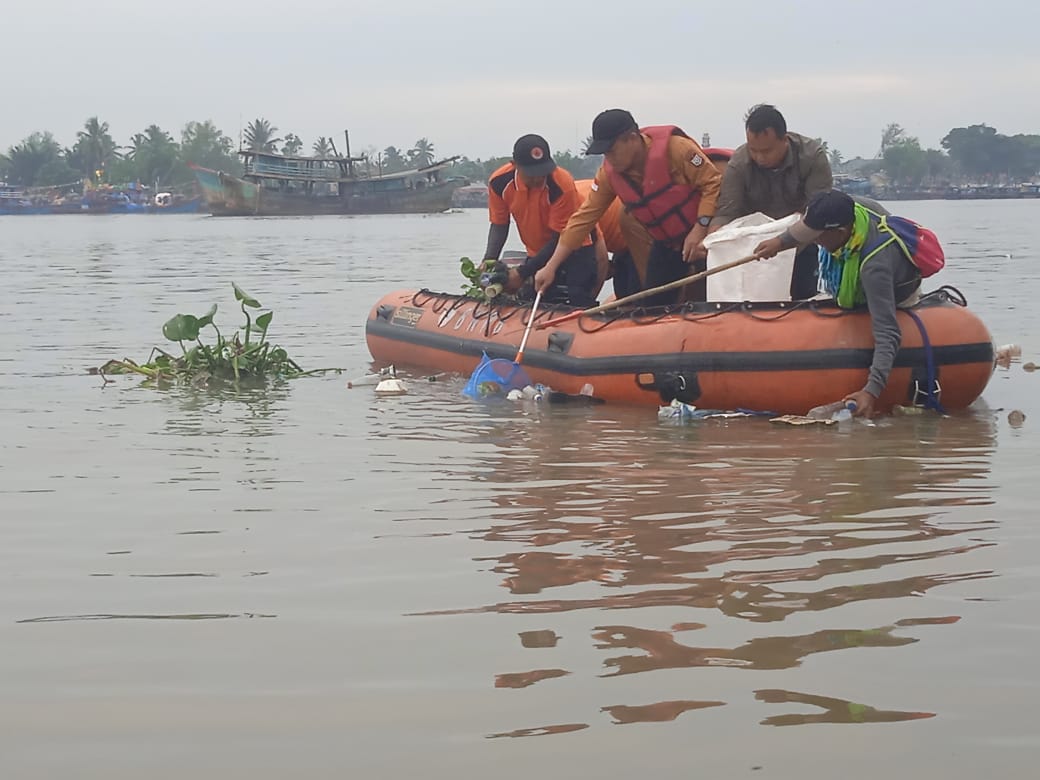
761,280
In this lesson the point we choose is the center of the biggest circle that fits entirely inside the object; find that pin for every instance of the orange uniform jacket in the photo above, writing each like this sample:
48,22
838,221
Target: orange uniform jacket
689,165
538,213
610,223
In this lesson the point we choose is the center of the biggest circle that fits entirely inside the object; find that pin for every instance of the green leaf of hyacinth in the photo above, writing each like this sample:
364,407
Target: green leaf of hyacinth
264,320
246,298
182,327
207,318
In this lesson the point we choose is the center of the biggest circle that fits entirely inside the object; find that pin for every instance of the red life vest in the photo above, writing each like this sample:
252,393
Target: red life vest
667,210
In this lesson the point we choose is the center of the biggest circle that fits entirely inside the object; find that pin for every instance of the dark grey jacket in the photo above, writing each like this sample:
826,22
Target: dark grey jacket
888,279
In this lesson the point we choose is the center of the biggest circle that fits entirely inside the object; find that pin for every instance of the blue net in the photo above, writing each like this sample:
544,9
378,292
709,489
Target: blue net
494,377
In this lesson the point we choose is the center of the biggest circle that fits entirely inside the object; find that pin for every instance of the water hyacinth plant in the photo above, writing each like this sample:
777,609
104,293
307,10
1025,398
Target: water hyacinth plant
473,272
247,354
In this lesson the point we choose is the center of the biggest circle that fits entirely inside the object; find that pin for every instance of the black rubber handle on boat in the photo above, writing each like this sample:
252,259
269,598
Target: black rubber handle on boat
645,293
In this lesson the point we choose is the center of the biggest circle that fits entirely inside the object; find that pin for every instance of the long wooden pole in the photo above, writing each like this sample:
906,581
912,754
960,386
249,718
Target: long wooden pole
646,293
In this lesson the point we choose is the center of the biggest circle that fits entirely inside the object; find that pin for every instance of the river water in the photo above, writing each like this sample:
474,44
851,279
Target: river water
311,581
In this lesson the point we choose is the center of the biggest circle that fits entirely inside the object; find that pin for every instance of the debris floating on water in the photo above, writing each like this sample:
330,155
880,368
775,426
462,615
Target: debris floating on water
390,372
677,411
1029,367
1016,418
798,419
907,411
1006,353
391,386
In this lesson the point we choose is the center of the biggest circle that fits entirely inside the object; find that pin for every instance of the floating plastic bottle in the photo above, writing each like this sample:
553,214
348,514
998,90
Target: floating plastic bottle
838,410
586,389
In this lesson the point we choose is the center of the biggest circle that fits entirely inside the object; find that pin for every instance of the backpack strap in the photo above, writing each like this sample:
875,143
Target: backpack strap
893,238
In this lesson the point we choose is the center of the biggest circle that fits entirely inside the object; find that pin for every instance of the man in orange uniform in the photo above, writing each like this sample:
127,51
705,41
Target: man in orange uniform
540,197
665,181
622,246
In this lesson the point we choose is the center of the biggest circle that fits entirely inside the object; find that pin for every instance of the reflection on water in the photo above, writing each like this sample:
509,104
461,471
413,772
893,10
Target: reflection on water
541,731
660,712
445,571
834,710
746,525
224,407
201,616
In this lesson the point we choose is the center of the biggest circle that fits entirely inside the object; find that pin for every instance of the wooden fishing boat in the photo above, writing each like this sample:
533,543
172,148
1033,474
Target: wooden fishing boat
280,185
780,357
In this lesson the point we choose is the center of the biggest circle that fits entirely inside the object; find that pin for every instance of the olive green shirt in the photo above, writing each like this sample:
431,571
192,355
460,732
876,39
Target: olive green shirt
778,192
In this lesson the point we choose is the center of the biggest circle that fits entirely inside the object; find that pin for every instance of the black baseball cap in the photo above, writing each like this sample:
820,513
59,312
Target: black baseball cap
826,210
531,155
608,127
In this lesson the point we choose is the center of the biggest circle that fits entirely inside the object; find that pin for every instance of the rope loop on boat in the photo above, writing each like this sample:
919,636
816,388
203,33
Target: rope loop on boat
945,293
787,309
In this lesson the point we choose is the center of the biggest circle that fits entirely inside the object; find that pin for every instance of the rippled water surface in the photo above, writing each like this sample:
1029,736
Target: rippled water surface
309,581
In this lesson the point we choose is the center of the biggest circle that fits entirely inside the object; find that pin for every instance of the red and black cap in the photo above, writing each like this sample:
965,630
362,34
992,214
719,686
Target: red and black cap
531,155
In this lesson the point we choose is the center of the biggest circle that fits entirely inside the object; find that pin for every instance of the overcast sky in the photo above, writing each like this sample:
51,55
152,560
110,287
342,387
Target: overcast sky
473,75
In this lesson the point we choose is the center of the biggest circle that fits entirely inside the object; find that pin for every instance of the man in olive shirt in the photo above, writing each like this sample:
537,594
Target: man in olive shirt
775,172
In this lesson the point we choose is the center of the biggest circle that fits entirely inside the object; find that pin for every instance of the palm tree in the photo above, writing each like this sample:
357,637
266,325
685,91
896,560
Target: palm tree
205,135
26,160
587,143
836,158
322,147
94,147
393,160
204,144
260,136
292,145
422,153
153,153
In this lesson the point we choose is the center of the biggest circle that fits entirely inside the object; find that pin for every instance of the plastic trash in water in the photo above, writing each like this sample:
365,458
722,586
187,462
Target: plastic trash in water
390,372
537,392
1006,353
842,414
586,389
838,410
907,411
515,395
392,386
676,411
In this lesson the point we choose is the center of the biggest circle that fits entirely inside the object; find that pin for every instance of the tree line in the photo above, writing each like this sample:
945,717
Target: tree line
153,156
975,154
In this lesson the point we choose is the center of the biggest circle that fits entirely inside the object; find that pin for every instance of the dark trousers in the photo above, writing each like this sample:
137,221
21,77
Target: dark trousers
806,273
666,265
625,278
575,279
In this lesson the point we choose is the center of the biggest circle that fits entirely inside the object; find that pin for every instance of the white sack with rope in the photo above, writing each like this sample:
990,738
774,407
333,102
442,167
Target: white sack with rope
762,280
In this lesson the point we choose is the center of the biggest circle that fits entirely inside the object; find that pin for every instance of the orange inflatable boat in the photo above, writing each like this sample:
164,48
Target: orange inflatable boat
779,357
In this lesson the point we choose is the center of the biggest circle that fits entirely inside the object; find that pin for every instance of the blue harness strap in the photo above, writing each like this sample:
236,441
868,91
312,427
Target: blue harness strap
931,399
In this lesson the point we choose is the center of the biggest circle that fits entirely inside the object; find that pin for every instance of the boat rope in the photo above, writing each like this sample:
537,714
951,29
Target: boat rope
931,400
787,309
945,293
